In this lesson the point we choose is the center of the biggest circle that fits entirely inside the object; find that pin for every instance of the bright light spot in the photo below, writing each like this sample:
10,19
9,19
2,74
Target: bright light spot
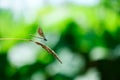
21,8
38,76
31,8
53,38
28,9
72,64
116,53
98,53
86,2
22,54
56,2
5,4
55,17
91,74
82,20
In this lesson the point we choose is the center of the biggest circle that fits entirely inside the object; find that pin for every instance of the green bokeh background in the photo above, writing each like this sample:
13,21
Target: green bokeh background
86,38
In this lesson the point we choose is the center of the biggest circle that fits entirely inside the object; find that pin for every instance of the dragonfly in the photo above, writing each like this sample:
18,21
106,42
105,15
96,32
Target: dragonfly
41,34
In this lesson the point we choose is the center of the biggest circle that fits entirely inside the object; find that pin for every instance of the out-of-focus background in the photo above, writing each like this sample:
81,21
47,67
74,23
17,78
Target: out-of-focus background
84,33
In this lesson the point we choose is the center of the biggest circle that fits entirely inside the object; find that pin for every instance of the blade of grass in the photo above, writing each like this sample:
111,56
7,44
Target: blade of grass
15,39
49,50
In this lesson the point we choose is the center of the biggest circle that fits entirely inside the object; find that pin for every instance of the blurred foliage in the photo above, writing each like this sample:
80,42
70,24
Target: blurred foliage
80,29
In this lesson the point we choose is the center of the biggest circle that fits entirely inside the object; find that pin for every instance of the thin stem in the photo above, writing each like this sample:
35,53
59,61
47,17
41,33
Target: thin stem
15,39
35,36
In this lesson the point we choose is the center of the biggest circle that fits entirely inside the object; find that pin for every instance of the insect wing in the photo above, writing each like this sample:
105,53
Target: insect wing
40,32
